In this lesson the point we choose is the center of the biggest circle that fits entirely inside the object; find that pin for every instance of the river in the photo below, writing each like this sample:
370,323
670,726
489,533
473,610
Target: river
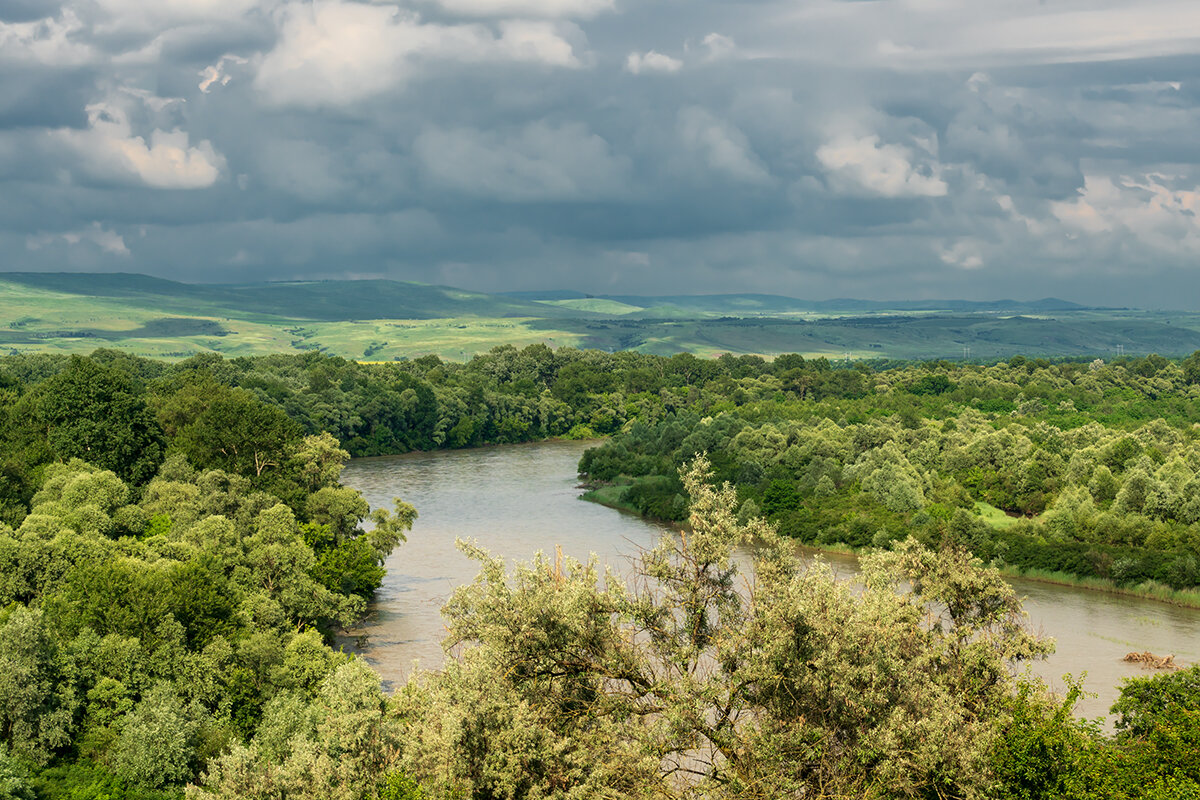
518,499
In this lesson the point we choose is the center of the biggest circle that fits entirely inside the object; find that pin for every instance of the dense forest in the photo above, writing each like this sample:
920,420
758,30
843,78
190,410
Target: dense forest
177,553
1086,470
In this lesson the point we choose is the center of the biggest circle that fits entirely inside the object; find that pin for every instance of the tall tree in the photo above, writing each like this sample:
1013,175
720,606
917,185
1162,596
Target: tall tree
238,433
96,413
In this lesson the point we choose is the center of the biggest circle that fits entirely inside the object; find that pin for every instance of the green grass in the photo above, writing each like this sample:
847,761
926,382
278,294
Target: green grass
34,319
314,300
1149,590
610,495
994,516
594,304
385,320
455,339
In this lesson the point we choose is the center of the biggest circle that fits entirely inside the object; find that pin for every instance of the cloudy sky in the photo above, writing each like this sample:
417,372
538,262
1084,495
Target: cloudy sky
817,148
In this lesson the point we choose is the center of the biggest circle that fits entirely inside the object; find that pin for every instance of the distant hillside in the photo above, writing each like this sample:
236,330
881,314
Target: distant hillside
915,336
380,320
766,304
596,304
316,300
1045,305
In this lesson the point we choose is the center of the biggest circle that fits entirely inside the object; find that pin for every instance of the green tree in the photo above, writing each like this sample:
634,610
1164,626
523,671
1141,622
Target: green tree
155,748
1151,703
281,566
15,780
97,414
37,702
1191,368
240,434
796,685
342,746
319,461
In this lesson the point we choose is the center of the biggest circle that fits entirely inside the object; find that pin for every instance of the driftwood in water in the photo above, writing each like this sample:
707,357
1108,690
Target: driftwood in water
1151,661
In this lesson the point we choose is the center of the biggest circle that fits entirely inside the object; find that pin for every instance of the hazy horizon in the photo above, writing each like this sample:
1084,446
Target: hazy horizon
818,149
545,293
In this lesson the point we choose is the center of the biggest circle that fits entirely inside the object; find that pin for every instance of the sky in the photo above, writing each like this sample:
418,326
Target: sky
875,149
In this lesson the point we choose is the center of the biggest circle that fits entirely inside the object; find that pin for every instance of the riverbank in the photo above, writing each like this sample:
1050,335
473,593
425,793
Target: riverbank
609,495
1145,591
516,500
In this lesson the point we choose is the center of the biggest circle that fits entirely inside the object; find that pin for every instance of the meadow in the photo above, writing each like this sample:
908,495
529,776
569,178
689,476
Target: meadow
390,320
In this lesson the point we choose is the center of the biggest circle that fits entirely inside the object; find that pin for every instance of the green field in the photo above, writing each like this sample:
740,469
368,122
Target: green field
386,320
595,304
994,516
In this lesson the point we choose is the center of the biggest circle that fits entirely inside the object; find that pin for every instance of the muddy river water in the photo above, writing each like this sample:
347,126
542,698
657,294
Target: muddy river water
516,500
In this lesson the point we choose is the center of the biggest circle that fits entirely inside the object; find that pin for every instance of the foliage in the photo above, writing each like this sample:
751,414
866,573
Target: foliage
1151,704
85,781
176,554
151,608
1105,459
95,412
687,682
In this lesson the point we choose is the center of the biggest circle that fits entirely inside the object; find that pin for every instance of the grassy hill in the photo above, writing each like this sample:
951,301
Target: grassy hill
317,300
772,304
383,320
594,304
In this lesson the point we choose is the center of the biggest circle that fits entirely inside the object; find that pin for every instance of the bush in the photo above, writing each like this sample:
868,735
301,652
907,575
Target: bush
658,496
88,781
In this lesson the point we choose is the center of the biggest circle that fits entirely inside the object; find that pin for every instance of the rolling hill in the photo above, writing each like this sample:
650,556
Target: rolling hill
383,320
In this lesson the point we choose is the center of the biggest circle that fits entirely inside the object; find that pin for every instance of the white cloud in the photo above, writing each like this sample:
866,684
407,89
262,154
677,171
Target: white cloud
141,16
964,254
337,53
152,101
108,149
52,41
541,162
529,41
722,146
215,74
1159,216
922,34
1152,28
568,9
652,62
333,53
719,45
858,164
95,234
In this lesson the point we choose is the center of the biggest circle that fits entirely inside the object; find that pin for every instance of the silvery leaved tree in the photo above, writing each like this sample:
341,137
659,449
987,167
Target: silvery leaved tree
697,677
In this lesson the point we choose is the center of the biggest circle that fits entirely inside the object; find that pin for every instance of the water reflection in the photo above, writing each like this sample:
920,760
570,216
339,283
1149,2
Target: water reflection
517,500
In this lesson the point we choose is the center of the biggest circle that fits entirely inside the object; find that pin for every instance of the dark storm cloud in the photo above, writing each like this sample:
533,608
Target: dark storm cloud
911,148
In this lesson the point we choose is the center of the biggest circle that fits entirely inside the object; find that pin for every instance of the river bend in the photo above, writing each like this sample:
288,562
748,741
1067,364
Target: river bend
518,499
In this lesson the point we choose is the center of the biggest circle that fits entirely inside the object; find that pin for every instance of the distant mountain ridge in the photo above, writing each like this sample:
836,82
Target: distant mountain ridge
317,300
380,320
388,299
773,303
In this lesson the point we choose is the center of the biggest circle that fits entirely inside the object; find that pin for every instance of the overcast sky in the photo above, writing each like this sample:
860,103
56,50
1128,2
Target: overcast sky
879,149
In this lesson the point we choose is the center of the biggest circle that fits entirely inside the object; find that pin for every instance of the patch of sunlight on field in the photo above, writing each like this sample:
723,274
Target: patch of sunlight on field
454,339
34,306
166,349
26,309
595,304
36,320
995,517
